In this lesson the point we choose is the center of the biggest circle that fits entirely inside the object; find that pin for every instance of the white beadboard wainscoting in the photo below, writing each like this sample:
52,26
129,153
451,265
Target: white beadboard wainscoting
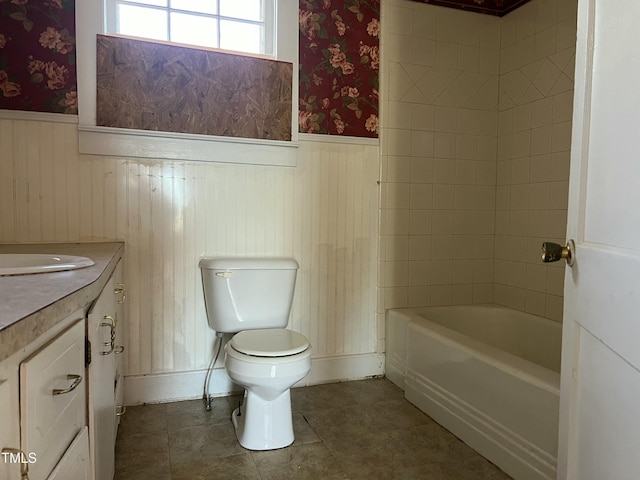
323,212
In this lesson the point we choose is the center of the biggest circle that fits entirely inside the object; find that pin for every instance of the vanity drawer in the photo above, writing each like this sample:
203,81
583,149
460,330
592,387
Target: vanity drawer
53,399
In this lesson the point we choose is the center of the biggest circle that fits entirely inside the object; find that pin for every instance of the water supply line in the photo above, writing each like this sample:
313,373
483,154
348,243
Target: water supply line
206,398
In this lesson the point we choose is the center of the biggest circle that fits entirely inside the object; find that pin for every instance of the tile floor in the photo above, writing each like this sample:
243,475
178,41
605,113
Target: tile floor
351,430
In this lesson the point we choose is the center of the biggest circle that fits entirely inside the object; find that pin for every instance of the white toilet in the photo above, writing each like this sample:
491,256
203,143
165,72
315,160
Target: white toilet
253,296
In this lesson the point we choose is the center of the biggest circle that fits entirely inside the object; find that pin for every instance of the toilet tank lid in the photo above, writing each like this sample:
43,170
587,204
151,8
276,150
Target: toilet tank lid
256,263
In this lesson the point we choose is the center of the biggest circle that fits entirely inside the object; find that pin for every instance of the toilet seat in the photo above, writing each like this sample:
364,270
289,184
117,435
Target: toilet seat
271,342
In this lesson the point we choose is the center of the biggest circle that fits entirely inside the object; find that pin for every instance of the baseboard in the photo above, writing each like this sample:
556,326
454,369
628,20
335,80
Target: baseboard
169,387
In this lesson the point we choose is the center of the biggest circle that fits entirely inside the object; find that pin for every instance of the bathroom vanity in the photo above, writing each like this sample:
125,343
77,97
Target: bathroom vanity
61,366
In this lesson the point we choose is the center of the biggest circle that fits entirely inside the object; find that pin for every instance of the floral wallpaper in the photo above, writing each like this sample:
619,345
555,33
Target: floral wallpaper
491,7
339,67
37,56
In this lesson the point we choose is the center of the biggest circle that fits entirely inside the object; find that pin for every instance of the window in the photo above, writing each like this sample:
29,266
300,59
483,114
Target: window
92,21
240,25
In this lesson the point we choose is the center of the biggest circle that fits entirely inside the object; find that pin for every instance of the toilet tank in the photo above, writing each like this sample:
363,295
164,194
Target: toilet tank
248,293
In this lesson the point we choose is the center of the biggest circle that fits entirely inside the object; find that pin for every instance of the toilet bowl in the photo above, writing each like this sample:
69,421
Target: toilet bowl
267,363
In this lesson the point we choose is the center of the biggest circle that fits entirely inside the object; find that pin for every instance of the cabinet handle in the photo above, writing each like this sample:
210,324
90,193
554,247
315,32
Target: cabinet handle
119,349
120,410
24,463
77,379
112,327
121,290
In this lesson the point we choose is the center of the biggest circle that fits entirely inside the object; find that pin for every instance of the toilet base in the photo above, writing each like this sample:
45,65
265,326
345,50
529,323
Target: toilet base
262,424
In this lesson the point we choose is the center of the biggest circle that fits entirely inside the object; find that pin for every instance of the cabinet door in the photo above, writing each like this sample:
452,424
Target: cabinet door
53,399
120,297
101,327
75,464
9,421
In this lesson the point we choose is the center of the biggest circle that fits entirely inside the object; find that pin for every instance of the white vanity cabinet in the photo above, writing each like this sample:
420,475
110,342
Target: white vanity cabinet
43,397
104,332
53,404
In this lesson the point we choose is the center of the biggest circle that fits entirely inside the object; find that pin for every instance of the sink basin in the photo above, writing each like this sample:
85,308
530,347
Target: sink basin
21,263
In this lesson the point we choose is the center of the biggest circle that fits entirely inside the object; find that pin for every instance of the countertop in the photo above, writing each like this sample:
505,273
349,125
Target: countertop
32,304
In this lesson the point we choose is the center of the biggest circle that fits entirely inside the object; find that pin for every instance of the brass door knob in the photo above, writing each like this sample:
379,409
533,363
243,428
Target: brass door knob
552,252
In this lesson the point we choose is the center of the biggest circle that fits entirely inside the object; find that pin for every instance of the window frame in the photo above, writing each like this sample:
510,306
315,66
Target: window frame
109,141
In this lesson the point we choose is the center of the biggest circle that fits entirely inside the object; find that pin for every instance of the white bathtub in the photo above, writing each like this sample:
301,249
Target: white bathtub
488,374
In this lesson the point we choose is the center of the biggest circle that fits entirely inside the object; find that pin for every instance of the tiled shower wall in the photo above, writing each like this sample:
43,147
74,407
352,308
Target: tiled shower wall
439,148
537,64
475,150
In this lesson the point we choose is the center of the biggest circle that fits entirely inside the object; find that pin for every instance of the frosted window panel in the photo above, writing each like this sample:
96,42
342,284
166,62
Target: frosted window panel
246,9
241,36
194,29
201,6
142,22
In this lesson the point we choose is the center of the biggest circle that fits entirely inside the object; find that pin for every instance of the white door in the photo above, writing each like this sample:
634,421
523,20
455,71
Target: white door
600,390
